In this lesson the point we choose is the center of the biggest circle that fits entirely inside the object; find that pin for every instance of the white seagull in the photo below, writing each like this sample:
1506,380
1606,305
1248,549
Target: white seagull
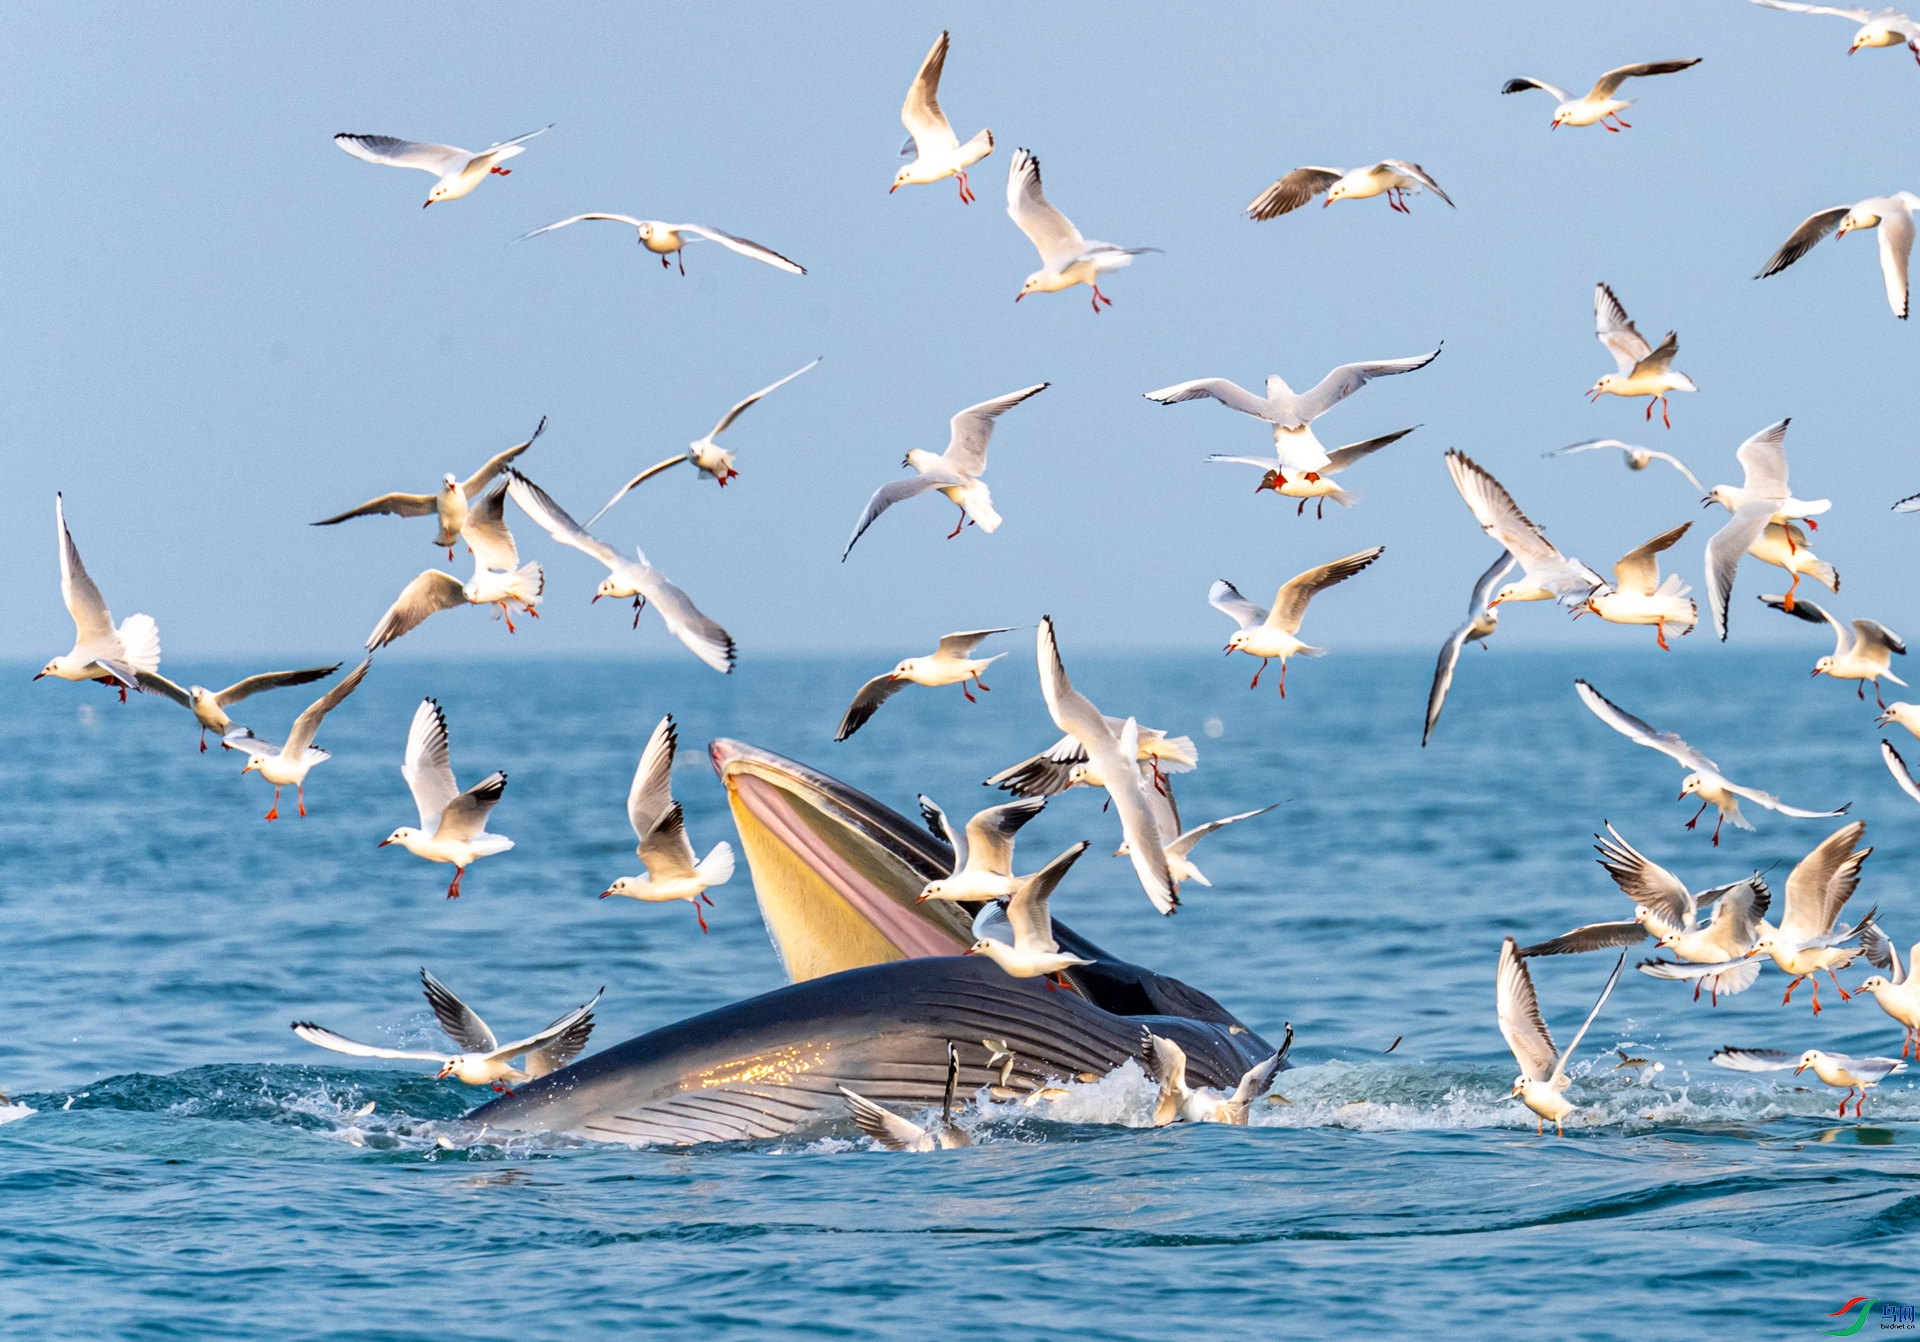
1900,715
1897,988
1542,1082
1637,595
1892,215
1051,771
982,853
1704,779
1114,758
1292,413
287,765
1760,500
1643,369
1878,27
499,579
209,707
1267,634
670,240
1898,768
950,663
902,1134
1178,1102
1836,1069
1066,258
453,824
482,1059
1785,546
634,577
1483,617
1317,486
660,824
937,150
956,472
1548,575
1394,178
451,504
1638,458
101,651
458,170
1863,653
1032,953
1806,941
707,456
1599,105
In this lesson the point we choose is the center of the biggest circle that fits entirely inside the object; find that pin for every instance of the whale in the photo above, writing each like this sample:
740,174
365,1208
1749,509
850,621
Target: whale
880,985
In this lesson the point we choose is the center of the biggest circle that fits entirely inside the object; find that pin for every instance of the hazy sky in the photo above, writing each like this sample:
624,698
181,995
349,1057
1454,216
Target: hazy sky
219,327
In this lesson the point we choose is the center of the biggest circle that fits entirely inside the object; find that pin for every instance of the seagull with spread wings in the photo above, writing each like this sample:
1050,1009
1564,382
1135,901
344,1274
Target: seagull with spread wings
1897,987
951,663
1066,258
1394,178
1267,634
1317,486
1807,941
287,764
102,651
1547,574
1638,595
660,824
956,472
982,852
451,504
937,150
1878,27
1542,1083
1892,215
1761,501
1839,1070
1643,369
903,1134
1861,653
1638,458
1179,1102
453,824
458,170
499,579
1599,105
1028,951
209,707
670,240
1483,618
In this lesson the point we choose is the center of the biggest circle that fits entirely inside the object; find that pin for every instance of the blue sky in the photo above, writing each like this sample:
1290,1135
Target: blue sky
220,327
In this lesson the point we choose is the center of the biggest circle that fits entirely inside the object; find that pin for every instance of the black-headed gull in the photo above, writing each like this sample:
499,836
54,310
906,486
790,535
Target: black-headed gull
1761,499
1483,617
1394,178
707,456
950,663
937,150
1267,634
1542,1083
902,1134
1806,940
209,707
453,824
1638,458
634,577
286,765
1113,758
982,852
451,504
1317,485
458,170
1724,954
1066,258
1838,1070
1547,575
1896,988
670,240
1032,952
660,824
499,578
482,1060
1637,595
1599,105
1900,715
113,655
956,472
1878,27
1178,1102
1292,413
1704,779
1051,771
1643,369
1863,653
1785,546
1892,215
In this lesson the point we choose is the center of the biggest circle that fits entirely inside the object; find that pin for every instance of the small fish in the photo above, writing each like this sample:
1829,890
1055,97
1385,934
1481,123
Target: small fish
364,1110
1045,1093
1396,1043
1278,1099
1000,1055
1626,1061
1236,1029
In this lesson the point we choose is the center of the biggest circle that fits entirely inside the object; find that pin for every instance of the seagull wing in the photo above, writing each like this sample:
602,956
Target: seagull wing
1521,84
627,219
1072,712
1042,775
1256,1081
1490,582
1292,191
1857,15
1677,465
438,159
1724,552
427,767
1290,604
461,1022
1639,569
339,1043
989,838
1560,1068
1737,915
1229,394
1816,226
91,619
1822,882
1812,613
1763,458
1896,250
886,1127
1592,937
266,680
1499,516
1027,910
1183,845
651,792
1140,809
894,491
1443,671
466,815
1417,173
395,505
433,591
1224,597
1645,881
1519,1012
701,634
553,519
1898,768
1610,82
1616,330
637,480
1661,357
666,851
866,702
942,829
497,463
966,450
742,246
1755,1059
1348,378
962,644
554,1031
921,113
1342,457
1056,239
1773,803
1667,743
307,725
152,682
726,421
486,532
562,1049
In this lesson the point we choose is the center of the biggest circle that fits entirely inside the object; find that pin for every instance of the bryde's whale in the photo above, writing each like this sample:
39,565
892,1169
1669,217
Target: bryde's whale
881,986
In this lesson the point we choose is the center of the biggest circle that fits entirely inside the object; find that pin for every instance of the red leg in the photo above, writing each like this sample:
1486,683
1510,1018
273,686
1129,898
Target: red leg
453,891
1605,126
1663,413
969,693
1256,674
1845,996
203,740
1696,988
981,685
681,257
698,914
957,526
501,172
1718,821
1844,1099
1787,601
1790,987
1876,696
1650,399
1860,692
1859,1102
1301,509
274,814
1320,510
507,611
1816,993
1713,998
300,798
1660,637
1697,814
1283,677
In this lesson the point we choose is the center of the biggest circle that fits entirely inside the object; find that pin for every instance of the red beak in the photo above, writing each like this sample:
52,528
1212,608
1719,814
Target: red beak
383,843
605,893
40,675
1018,297
423,205
1816,670
596,597
895,187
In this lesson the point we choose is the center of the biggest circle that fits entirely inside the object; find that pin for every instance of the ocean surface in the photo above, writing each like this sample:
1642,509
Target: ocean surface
191,1169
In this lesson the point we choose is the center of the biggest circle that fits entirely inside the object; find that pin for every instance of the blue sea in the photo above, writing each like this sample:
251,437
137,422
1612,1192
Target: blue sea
191,1169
